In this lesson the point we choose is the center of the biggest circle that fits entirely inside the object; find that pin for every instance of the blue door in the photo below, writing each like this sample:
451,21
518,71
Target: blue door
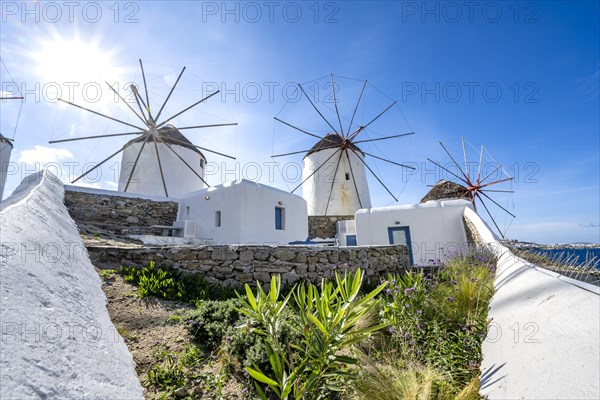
401,235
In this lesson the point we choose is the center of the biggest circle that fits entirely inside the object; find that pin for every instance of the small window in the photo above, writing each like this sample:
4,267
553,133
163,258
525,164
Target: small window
201,163
350,240
187,211
218,218
347,176
279,218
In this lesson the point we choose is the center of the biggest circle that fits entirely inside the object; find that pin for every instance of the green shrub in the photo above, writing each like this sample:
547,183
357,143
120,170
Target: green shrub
172,284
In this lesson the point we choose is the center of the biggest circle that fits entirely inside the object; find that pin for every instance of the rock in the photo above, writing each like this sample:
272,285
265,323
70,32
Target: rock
246,255
224,253
284,255
289,277
262,276
133,220
244,278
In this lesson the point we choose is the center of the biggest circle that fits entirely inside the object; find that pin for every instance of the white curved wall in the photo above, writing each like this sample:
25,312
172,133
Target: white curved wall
542,342
58,341
146,179
344,199
5,150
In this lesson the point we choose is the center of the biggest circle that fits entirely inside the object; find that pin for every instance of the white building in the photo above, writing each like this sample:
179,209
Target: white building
179,177
243,212
339,187
5,150
430,230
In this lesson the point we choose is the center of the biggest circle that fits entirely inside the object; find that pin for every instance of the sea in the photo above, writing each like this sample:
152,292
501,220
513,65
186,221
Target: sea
579,256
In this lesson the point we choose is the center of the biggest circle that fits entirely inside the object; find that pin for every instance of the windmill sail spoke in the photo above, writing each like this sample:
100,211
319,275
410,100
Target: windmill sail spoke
356,108
201,148
138,96
169,96
496,203
447,170
389,161
298,129
137,158
465,158
146,90
95,137
500,191
99,164
354,181
315,171
126,103
160,168
133,89
337,166
498,181
374,174
480,162
301,151
102,115
383,138
468,181
336,109
207,126
492,173
380,114
317,110
490,214
186,109
186,164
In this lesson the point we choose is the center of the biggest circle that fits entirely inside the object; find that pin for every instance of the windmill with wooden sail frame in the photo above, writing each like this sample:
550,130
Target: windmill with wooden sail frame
345,190
160,160
477,189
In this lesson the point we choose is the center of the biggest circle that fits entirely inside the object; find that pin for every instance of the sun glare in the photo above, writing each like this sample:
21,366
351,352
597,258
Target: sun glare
63,60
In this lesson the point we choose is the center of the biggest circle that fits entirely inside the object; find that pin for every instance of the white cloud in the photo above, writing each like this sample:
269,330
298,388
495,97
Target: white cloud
43,155
590,225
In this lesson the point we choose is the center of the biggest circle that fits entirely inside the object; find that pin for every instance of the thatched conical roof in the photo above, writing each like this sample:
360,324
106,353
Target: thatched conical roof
5,140
171,135
445,190
331,141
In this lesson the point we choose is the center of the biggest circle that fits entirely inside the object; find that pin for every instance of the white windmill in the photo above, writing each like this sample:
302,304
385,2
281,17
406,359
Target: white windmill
6,145
346,190
161,160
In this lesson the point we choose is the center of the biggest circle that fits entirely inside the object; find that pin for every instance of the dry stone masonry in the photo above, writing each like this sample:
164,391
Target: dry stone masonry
99,213
236,265
324,226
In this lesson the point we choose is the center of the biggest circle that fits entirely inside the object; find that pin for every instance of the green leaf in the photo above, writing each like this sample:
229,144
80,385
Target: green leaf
250,296
259,376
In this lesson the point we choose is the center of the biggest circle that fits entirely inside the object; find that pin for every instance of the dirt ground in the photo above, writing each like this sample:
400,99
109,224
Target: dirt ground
143,323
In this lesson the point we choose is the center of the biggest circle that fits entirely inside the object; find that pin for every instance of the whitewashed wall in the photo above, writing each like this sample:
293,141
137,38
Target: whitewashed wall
57,338
5,150
344,199
247,214
543,341
436,227
147,180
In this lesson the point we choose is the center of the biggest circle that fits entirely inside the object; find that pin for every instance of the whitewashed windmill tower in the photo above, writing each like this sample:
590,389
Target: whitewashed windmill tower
5,150
334,180
161,161
346,189
6,147
174,152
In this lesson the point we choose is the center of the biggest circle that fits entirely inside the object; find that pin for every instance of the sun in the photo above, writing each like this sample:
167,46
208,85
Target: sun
63,61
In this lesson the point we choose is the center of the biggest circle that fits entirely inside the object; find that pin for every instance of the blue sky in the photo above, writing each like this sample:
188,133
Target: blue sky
520,78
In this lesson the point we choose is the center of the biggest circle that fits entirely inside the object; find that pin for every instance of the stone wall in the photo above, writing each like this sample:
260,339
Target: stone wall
473,236
99,213
236,265
324,227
